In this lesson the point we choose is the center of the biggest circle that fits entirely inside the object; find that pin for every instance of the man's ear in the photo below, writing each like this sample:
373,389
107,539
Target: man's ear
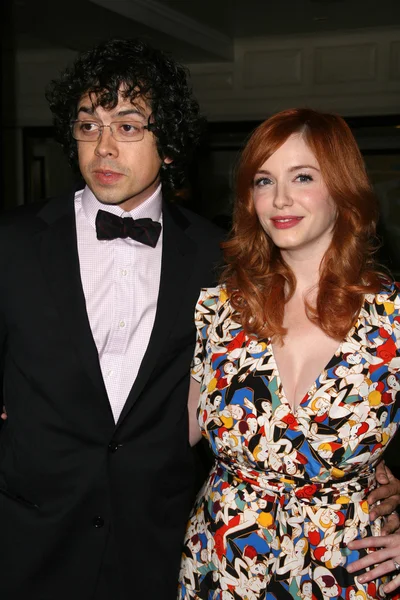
167,160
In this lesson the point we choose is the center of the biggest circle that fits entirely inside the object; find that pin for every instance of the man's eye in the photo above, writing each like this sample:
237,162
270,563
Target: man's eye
128,128
88,127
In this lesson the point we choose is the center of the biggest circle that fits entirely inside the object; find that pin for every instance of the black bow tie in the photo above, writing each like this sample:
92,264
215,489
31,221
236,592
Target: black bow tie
110,227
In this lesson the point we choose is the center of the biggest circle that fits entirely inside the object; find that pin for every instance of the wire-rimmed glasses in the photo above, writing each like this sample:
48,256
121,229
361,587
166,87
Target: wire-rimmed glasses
122,131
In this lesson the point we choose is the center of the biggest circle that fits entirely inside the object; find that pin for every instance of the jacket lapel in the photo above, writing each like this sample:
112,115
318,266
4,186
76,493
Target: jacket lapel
177,258
60,263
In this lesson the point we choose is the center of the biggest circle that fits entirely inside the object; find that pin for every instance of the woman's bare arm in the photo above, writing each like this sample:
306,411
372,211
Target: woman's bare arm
193,401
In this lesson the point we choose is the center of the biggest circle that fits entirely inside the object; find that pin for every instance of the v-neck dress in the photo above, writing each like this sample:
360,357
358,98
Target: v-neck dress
288,489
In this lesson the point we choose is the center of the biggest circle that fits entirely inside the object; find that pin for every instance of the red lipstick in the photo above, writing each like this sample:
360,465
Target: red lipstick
285,222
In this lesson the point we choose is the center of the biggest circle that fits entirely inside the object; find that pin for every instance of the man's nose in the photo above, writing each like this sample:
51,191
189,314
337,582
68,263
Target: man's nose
106,144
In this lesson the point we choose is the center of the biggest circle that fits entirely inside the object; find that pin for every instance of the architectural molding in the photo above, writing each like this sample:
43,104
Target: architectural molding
173,23
353,73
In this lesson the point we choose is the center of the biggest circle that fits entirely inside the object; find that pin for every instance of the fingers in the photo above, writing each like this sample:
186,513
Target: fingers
391,524
379,541
389,493
388,472
386,507
392,585
384,491
382,510
381,473
380,570
380,560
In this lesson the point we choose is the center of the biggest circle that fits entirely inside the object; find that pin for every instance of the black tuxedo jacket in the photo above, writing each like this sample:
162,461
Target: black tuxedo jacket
68,474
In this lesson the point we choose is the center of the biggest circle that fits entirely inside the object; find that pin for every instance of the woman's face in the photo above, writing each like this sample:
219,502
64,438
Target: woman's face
292,201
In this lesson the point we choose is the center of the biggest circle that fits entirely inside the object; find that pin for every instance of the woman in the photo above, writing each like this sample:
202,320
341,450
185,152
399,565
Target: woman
303,336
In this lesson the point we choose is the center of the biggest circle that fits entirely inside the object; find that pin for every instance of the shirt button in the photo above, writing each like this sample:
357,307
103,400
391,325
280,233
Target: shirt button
124,272
122,324
109,372
98,522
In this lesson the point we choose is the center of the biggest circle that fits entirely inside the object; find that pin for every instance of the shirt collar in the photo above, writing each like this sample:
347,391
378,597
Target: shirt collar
150,208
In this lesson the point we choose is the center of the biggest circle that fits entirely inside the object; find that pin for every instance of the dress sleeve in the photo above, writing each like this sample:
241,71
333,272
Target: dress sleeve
205,312
393,309
387,315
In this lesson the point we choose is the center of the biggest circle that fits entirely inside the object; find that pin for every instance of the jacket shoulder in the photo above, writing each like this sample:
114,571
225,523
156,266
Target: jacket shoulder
31,215
196,225
22,224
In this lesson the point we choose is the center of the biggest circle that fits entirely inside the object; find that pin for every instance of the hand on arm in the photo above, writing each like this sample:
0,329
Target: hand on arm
388,496
386,559
193,401
387,553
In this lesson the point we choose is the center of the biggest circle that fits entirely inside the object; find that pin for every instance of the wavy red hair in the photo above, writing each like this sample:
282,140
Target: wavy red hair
257,278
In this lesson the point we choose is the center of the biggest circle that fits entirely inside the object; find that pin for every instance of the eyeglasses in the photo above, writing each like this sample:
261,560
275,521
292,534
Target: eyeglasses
122,131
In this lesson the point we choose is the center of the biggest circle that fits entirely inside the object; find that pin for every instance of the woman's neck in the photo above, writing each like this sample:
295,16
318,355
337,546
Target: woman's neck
305,270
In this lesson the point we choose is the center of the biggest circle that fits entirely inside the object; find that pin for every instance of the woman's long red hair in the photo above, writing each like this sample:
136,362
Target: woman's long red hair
258,280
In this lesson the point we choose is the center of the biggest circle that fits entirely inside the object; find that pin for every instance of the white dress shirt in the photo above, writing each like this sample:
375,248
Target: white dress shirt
121,282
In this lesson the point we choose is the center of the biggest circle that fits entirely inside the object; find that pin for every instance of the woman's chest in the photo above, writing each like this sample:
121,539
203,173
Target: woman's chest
346,410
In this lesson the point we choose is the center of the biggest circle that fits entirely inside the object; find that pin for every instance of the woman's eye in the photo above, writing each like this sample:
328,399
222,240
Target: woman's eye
303,178
262,181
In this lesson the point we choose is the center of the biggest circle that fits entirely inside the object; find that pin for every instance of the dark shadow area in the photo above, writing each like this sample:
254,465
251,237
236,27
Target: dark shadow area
9,146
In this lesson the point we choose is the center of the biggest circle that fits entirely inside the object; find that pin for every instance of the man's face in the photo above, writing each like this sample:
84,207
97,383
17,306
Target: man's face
123,173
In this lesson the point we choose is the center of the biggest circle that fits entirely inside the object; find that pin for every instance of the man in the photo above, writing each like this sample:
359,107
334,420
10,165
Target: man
96,473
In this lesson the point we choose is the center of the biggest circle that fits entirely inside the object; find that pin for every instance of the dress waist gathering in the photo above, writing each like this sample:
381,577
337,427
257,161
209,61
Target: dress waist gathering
282,487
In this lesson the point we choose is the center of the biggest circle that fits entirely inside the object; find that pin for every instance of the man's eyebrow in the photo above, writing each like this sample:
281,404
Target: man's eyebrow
130,111
90,110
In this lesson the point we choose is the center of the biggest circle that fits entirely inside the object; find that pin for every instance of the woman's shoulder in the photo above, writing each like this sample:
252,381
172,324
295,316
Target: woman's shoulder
387,300
212,307
389,291
213,296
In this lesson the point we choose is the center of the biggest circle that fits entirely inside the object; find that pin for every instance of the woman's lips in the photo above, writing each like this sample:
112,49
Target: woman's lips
285,222
107,177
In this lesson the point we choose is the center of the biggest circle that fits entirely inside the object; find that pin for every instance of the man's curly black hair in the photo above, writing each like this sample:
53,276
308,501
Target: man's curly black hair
133,68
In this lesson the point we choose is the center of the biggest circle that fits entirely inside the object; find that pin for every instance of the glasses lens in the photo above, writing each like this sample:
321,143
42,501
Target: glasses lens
127,131
85,130
122,131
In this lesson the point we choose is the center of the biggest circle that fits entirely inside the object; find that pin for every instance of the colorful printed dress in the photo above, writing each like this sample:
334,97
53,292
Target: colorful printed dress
288,490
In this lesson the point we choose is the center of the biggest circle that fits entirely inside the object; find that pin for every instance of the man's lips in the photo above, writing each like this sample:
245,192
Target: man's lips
285,222
107,176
